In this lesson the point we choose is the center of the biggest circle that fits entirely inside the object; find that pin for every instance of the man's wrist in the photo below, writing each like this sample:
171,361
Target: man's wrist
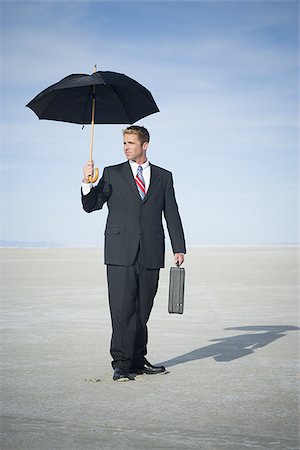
86,188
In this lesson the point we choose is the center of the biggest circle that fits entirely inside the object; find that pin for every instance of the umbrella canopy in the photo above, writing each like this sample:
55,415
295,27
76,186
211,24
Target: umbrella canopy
117,99
103,97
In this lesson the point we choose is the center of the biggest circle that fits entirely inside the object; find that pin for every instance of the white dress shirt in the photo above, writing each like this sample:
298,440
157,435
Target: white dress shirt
86,187
146,172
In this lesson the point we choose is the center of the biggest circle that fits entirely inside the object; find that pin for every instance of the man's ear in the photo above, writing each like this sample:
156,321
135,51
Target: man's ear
145,146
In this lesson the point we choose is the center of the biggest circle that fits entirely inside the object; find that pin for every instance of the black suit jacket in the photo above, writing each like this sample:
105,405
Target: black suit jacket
133,223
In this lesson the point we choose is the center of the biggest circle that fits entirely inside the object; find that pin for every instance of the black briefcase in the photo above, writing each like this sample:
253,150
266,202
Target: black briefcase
176,290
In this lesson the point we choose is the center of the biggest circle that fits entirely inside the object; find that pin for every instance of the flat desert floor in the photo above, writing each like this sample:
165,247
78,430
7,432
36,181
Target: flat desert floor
232,357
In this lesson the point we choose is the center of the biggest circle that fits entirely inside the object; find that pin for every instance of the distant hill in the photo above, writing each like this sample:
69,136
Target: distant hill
29,244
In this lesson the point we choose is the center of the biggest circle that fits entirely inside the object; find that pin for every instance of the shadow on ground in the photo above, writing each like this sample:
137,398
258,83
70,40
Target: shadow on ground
234,347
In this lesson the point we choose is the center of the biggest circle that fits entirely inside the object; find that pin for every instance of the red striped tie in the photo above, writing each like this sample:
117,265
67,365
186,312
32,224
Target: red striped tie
140,182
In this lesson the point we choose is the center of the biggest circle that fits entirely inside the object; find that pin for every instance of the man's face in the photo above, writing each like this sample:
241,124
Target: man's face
133,149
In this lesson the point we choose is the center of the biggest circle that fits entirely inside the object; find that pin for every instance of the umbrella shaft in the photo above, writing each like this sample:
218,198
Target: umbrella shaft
92,124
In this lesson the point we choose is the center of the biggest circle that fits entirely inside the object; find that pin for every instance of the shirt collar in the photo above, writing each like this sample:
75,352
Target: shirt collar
134,165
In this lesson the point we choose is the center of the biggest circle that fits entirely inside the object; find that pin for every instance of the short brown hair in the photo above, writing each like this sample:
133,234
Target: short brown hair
141,132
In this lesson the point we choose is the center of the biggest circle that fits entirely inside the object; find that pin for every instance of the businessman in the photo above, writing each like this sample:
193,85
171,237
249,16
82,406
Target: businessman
137,193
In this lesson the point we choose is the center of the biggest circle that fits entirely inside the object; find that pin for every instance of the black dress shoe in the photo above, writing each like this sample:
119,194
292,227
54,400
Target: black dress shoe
147,368
121,374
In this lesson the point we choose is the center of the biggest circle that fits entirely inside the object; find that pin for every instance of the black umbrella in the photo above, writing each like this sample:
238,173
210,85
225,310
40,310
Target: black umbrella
103,97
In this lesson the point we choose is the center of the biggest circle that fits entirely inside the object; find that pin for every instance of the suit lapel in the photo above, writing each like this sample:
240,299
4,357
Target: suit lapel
154,180
130,180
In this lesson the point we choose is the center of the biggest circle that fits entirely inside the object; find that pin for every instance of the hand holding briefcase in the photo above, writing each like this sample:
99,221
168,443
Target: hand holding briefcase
176,290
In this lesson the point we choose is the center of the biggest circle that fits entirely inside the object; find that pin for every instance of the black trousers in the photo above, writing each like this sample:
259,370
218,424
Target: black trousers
131,291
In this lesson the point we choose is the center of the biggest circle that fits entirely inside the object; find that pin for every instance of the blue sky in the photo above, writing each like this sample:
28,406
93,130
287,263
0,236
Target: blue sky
224,75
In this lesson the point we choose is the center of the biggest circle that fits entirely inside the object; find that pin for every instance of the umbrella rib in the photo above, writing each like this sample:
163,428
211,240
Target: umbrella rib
58,93
121,100
48,104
